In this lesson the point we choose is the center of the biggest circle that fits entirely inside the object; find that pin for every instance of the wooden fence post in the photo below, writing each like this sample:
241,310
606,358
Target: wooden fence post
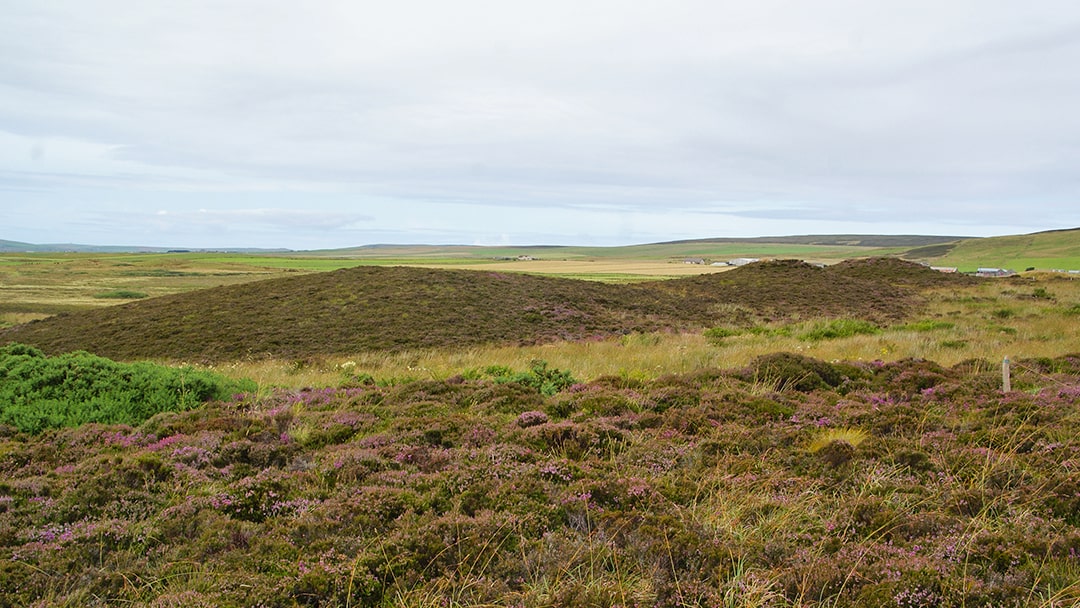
1006,379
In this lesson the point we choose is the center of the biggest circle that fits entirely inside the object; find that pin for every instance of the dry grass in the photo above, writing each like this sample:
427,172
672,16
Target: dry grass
14,318
47,283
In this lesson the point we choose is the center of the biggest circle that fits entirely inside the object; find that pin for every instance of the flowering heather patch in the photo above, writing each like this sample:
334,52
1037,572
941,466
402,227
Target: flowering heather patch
902,484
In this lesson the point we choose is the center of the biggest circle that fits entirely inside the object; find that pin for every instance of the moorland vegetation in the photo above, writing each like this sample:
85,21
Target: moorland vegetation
789,482
580,444
366,309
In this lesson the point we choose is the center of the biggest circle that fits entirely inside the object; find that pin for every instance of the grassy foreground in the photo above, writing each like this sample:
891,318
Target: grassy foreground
789,482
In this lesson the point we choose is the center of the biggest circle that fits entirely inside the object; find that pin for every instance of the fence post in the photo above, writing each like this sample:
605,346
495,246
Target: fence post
1006,379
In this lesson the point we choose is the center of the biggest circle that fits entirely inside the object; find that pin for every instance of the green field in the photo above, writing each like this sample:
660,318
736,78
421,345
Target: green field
1054,250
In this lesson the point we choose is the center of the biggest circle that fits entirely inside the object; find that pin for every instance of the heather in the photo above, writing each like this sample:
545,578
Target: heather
395,309
38,392
790,481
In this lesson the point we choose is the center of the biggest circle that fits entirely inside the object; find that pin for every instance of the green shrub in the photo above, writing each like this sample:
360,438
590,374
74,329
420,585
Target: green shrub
121,294
717,334
540,377
927,325
765,330
39,392
839,328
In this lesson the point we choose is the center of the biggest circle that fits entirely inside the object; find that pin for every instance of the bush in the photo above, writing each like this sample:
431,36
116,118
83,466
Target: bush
792,371
540,377
120,294
39,392
717,334
839,328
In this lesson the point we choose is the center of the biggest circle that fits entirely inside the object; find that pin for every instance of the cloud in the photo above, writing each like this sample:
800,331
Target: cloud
281,219
771,110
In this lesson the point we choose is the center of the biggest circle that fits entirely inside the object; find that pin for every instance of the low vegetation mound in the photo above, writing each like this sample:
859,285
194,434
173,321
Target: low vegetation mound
876,289
897,272
378,308
792,482
39,392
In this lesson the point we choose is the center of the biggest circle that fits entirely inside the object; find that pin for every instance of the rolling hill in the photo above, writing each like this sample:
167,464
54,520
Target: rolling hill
1050,250
398,308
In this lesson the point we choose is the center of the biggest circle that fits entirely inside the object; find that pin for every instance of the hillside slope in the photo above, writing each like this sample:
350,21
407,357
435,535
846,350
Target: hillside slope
1053,249
396,308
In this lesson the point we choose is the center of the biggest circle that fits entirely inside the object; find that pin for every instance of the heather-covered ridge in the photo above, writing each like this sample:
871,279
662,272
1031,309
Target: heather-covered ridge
396,308
791,482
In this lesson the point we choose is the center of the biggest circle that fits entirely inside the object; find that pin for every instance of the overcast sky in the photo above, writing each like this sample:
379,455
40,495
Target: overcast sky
211,123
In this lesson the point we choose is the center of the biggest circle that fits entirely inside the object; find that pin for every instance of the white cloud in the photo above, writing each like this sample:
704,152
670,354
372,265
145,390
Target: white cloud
778,112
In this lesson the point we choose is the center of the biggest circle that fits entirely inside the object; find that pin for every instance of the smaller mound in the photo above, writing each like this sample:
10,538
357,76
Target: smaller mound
897,272
785,289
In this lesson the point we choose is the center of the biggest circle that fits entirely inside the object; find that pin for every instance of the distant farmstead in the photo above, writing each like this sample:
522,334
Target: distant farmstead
994,272
742,261
699,261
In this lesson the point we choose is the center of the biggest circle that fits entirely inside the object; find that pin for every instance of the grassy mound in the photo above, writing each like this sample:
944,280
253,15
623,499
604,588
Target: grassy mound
896,272
875,289
379,308
793,482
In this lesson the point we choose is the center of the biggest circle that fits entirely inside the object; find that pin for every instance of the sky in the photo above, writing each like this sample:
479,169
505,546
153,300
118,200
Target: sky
266,123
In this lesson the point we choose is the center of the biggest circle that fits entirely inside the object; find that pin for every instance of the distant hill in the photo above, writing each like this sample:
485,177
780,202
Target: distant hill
838,246
396,308
1049,250
1054,249
837,240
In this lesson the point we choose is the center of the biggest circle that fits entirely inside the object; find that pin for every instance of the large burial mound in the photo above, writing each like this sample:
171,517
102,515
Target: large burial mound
377,308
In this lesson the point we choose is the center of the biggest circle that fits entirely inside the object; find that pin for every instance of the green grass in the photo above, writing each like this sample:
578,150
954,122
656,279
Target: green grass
927,325
839,328
1044,251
